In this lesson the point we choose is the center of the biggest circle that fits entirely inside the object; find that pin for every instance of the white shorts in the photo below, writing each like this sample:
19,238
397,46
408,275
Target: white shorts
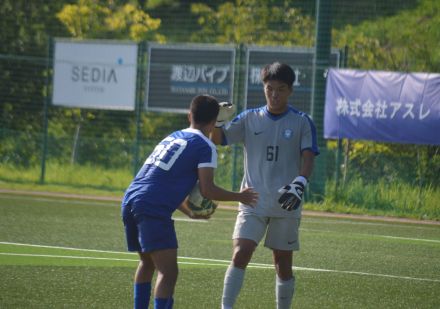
281,233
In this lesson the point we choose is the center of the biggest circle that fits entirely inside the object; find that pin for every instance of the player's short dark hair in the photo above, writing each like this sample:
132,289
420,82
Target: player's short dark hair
279,72
204,109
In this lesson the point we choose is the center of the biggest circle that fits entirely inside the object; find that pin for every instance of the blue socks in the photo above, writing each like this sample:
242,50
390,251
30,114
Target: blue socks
142,293
163,303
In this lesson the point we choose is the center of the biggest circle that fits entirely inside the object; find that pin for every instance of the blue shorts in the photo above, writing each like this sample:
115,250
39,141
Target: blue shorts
146,234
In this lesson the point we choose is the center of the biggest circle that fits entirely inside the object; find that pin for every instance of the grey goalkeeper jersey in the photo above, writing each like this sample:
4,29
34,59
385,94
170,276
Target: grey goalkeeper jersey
272,153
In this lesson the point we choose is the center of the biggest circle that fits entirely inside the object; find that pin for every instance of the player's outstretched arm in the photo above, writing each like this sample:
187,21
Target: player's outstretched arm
211,191
248,197
216,136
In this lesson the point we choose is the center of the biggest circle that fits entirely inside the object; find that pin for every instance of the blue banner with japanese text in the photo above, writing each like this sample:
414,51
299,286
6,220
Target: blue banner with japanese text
383,106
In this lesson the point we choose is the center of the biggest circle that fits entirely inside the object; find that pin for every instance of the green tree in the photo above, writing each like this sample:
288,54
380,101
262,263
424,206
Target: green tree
105,19
253,22
408,42
26,29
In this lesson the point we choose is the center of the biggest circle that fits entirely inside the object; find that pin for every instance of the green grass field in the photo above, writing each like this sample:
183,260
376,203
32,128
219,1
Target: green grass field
66,253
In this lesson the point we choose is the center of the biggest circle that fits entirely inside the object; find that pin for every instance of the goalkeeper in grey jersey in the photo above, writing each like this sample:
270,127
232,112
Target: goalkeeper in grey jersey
279,150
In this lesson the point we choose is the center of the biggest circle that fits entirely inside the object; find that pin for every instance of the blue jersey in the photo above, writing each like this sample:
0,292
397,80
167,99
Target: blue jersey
169,173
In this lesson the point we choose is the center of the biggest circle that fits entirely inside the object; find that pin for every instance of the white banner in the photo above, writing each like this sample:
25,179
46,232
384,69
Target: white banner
95,74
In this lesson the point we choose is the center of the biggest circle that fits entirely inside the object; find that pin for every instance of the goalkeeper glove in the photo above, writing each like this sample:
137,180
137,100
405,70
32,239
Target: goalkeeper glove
292,193
227,110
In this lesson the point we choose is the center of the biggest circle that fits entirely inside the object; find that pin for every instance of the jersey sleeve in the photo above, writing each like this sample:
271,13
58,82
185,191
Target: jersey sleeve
234,131
308,137
208,156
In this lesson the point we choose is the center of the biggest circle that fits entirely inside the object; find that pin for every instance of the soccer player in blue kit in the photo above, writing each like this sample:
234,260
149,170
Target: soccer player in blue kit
279,149
160,187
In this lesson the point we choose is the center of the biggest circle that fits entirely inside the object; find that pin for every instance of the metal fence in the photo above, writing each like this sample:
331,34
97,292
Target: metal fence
41,142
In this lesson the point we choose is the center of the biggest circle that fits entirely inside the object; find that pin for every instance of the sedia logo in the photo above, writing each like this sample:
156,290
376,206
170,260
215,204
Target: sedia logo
93,74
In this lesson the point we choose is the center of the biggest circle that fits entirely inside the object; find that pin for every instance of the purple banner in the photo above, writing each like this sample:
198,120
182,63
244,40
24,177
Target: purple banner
383,106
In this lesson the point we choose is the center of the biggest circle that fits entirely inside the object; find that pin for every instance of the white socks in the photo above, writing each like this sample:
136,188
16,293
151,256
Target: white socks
234,278
232,285
284,292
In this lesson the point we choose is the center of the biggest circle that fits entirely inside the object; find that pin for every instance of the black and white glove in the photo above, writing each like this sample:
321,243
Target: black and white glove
227,110
292,194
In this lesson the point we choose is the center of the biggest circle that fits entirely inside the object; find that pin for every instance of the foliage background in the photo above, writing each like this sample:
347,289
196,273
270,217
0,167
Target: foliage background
380,35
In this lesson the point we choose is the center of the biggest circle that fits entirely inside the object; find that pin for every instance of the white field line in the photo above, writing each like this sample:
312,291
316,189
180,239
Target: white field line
406,238
191,220
67,257
204,262
55,200
373,235
356,221
63,248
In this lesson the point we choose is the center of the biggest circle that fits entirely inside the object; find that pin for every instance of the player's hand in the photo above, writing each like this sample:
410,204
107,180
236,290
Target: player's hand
196,217
249,197
227,110
184,208
292,194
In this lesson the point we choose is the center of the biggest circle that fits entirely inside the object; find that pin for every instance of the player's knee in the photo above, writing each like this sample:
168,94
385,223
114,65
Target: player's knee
171,272
241,258
284,270
169,275
285,274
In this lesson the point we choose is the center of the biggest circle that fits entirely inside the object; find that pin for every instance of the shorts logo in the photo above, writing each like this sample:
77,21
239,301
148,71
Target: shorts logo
291,242
287,133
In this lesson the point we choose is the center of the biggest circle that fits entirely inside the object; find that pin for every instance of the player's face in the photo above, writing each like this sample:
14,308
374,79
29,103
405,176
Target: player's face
277,94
